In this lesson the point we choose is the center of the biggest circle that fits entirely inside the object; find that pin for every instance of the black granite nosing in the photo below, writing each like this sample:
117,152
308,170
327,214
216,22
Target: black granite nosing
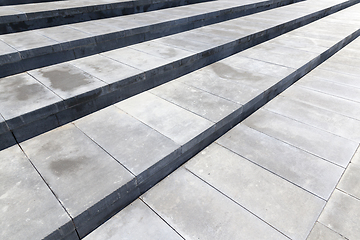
50,117
116,201
35,20
11,64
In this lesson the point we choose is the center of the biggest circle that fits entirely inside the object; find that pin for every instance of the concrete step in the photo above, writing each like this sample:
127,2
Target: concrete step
98,164
54,13
289,171
43,47
45,98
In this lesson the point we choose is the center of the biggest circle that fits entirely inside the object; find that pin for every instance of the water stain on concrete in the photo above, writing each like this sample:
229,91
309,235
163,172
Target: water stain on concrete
66,79
67,166
227,72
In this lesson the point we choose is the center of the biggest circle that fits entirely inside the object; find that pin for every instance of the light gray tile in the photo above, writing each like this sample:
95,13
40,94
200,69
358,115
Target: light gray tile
320,232
78,171
331,88
225,84
356,157
325,101
301,168
337,77
271,198
350,181
197,211
342,214
135,58
62,33
66,80
195,100
29,210
136,221
321,143
93,28
104,68
184,42
129,141
20,94
320,118
170,120
161,50
302,43
340,67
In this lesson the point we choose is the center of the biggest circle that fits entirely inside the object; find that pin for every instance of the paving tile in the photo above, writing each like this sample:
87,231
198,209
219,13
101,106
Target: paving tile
78,171
284,56
338,105
342,215
302,43
257,66
195,100
299,167
29,210
197,211
271,198
106,69
27,40
317,117
356,158
321,143
340,68
331,88
136,221
320,232
93,28
66,80
350,181
135,58
62,33
170,120
225,84
129,141
161,50
20,94
332,76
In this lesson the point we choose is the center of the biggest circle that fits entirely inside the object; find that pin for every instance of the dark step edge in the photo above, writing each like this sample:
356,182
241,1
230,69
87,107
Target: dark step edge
22,61
18,2
114,202
50,117
30,21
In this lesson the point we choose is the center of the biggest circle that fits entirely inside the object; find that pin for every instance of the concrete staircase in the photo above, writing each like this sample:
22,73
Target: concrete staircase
97,110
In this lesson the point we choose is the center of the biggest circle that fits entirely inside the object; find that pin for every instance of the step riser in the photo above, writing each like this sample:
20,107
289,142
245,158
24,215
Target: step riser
45,119
89,220
16,2
45,56
68,16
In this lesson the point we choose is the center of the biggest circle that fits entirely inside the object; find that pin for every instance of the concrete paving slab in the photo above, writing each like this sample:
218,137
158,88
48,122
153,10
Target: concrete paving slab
317,117
94,28
350,181
356,157
181,126
269,197
197,211
280,55
136,221
184,42
160,50
341,68
29,210
78,171
135,58
328,146
106,69
337,77
223,81
342,214
321,232
130,142
21,94
66,80
302,43
339,105
195,100
299,167
331,88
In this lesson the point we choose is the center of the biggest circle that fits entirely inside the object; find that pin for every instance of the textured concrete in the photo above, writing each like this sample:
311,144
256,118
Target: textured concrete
261,192
197,211
321,143
341,214
28,207
350,182
303,169
320,232
143,224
